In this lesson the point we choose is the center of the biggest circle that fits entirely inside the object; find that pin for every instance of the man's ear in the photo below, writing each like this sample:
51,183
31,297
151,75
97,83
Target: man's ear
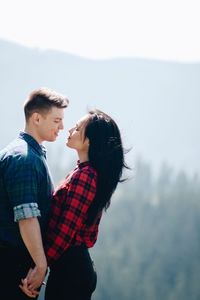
36,117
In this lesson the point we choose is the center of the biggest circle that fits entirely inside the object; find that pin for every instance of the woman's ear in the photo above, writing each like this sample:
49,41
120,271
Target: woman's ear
87,141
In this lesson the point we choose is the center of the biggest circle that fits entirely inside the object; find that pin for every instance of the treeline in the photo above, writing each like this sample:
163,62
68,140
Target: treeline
149,241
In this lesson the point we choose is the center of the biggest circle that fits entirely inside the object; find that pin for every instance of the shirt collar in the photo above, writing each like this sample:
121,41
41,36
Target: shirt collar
33,143
80,165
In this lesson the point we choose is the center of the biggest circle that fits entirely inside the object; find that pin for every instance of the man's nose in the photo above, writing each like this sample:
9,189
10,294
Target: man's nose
61,125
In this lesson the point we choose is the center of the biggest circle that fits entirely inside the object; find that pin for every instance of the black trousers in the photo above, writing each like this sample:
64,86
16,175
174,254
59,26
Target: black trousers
14,265
72,277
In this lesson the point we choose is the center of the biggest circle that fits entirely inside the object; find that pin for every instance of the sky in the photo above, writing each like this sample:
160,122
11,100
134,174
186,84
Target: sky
156,29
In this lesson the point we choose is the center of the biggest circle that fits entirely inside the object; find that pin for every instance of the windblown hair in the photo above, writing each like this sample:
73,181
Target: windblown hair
106,155
42,100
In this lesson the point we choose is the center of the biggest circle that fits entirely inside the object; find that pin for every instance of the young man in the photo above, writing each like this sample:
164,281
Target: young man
25,193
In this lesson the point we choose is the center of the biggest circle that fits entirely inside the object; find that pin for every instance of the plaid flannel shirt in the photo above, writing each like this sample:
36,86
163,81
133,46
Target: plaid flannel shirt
25,187
70,205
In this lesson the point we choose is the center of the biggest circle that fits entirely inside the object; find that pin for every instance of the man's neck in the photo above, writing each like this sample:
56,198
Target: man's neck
32,133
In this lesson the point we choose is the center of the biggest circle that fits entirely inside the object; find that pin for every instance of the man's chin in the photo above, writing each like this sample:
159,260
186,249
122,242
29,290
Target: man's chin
52,139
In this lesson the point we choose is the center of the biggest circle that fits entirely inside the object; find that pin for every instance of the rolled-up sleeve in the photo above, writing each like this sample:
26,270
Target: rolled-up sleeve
25,211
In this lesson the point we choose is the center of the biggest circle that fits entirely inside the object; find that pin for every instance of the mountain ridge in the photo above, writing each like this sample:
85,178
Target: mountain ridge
155,103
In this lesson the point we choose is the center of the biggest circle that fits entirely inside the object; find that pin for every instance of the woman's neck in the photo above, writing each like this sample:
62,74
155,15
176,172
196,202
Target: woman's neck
83,157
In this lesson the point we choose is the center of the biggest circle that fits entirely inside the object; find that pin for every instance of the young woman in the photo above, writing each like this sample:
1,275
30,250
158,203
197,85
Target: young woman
78,204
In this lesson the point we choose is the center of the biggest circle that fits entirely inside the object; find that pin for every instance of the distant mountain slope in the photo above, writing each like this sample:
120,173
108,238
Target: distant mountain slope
156,104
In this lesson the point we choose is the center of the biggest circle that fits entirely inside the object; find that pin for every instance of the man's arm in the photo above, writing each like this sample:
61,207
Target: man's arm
31,235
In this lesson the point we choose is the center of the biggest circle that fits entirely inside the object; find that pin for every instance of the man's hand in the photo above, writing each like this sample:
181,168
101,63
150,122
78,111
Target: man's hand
33,281
24,288
35,277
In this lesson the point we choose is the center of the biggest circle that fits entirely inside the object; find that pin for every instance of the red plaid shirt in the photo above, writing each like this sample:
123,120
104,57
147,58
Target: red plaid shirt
69,211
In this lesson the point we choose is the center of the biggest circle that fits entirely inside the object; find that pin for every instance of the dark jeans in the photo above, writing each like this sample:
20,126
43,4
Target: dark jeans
72,277
14,265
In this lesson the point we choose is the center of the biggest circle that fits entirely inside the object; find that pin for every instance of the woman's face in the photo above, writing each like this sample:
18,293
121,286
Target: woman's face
76,138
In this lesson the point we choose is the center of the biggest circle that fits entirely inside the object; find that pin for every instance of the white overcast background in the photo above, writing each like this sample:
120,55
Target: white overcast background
156,29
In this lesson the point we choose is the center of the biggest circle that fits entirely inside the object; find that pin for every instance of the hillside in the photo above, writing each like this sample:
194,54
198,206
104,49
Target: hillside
156,104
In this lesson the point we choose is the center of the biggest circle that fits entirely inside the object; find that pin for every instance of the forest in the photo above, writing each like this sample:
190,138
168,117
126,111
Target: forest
149,243
149,239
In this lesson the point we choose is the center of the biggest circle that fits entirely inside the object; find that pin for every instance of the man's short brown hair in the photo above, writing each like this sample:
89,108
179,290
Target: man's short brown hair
42,100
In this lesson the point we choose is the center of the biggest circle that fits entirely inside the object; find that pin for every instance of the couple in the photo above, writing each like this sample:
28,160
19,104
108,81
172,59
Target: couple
40,227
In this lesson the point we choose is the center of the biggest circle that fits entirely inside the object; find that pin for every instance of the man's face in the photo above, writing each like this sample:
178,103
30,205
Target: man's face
50,124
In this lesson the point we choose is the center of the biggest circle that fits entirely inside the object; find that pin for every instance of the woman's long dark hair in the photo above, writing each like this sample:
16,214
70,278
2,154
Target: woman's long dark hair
106,155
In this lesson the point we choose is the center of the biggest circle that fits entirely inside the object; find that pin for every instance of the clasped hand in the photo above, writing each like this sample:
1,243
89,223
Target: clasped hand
33,281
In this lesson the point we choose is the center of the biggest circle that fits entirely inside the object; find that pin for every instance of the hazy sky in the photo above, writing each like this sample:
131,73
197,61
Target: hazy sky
162,29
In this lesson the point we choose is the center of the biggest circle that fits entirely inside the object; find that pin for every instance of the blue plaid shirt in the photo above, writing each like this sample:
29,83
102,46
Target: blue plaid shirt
25,187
